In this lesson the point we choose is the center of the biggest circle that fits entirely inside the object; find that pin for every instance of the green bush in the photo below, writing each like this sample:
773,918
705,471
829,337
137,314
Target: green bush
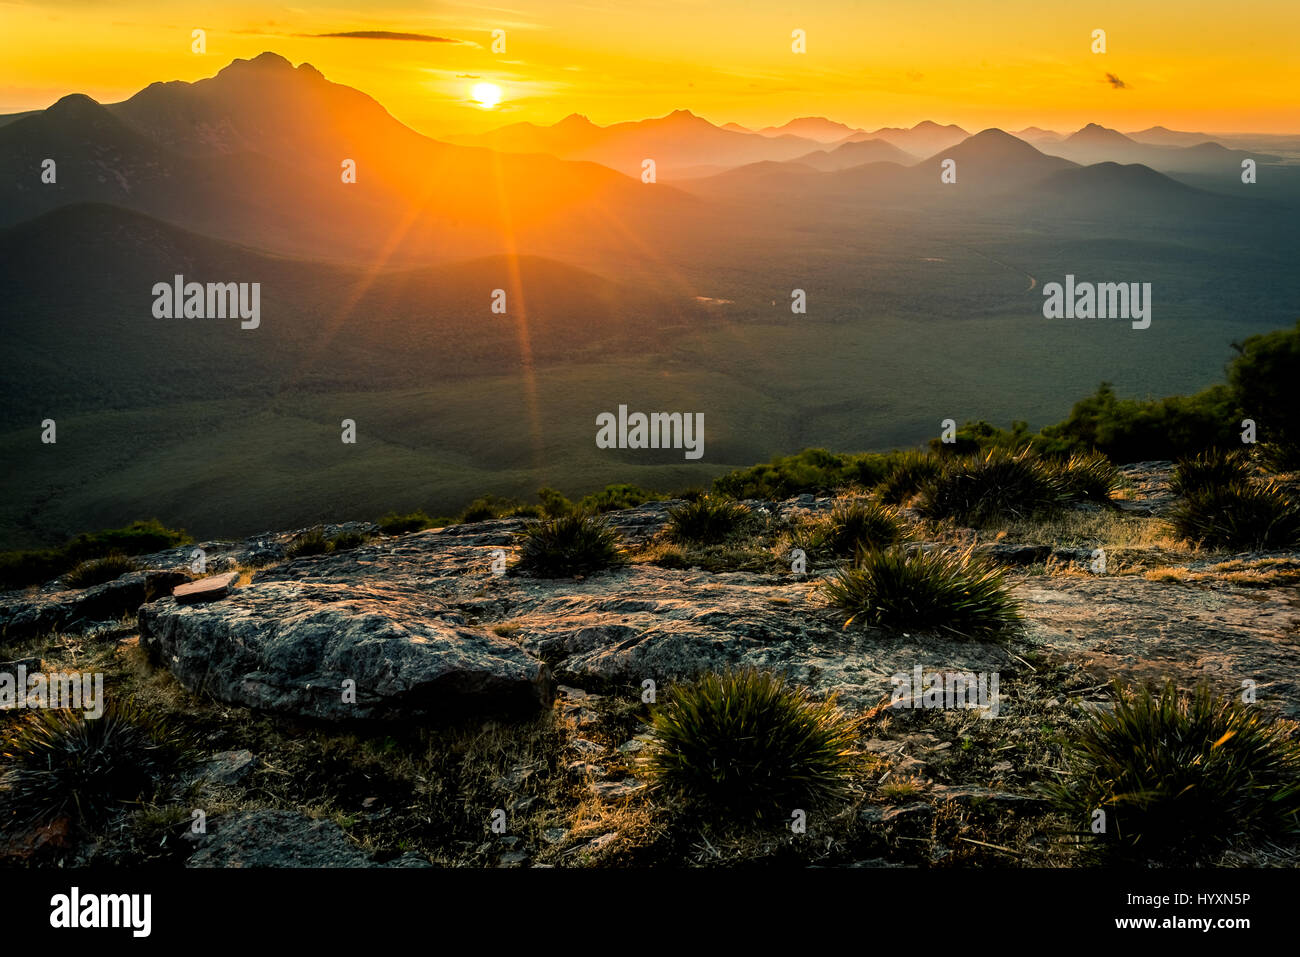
554,504
1242,515
747,742
998,485
1179,777
96,571
64,765
1263,378
1210,470
706,521
139,538
1132,430
19,569
487,507
395,524
615,497
574,544
947,592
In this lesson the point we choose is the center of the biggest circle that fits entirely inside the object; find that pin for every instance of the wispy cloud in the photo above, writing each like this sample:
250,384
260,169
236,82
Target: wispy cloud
381,35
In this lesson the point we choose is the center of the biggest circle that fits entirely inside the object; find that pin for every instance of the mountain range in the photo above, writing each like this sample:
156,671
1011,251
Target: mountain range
923,297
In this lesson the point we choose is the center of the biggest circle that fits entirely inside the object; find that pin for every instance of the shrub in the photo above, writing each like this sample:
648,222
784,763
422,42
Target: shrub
906,477
1180,776
395,524
938,591
1132,430
998,485
554,504
614,497
1209,470
310,542
96,571
1262,377
1087,476
138,538
63,764
574,544
486,508
746,741
706,521
34,567
1241,515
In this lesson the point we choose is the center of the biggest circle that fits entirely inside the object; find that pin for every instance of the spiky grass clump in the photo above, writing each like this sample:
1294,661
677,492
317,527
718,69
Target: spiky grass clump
1088,476
907,476
1180,776
346,541
748,742
574,544
949,592
1239,515
96,571
857,527
62,764
706,521
1208,471
993,487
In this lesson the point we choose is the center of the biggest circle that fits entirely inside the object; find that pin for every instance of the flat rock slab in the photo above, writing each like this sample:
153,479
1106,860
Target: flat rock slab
1147,631
339,652
205,589
281,839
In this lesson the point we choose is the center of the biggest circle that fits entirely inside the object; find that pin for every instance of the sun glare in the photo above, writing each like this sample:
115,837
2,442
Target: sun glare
486,95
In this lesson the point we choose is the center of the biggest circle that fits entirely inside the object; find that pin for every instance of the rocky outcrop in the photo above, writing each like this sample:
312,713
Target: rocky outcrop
368,649
74,610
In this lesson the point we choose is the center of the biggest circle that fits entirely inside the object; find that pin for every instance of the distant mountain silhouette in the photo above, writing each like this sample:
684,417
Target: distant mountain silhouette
812,128
923,139
856,153
1160,136
676,142
254,155
1098,144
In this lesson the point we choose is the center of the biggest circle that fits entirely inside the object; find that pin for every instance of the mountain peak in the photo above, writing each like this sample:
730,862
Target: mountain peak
74,103
266,61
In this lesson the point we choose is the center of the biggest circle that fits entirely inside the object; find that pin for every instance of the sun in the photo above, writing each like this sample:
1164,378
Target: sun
486,95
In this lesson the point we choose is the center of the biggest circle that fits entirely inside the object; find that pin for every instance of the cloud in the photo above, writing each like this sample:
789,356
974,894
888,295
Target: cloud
382,35
1116,82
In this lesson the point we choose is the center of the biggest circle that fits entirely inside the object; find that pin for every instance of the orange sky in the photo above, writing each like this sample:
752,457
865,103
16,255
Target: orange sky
1191,64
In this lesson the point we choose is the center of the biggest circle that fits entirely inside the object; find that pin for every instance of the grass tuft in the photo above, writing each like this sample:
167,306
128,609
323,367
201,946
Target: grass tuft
1180,776
65,765
574,544
949,592
96,571
706,521
748,742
